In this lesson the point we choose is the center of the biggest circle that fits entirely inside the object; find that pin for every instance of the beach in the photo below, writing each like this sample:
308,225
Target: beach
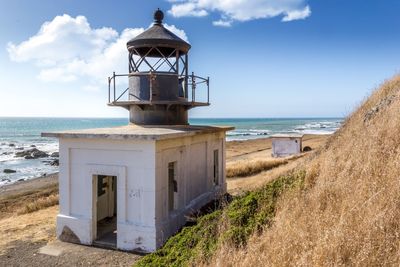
26,232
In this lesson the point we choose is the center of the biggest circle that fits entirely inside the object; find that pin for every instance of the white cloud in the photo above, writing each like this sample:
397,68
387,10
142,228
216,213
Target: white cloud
242,10
53,41
180,33
187,9
297,14
222,23
68,49
91,88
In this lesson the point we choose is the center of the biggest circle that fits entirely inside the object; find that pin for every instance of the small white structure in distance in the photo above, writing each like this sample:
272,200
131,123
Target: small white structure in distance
284,145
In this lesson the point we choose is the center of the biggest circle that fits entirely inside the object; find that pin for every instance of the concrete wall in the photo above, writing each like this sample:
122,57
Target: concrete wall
195,179
144,221
133,164
287,146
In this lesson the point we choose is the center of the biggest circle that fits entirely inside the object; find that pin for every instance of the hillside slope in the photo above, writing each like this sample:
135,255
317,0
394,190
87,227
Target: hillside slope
349,211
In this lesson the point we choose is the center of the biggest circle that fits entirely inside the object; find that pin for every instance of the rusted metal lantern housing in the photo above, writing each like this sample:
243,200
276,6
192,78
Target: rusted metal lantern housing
161,90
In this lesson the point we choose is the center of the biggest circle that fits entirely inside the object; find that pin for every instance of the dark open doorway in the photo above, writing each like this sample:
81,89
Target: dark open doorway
106,210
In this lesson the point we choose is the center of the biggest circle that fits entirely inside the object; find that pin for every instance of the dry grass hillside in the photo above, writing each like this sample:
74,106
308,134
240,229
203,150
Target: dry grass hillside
348,212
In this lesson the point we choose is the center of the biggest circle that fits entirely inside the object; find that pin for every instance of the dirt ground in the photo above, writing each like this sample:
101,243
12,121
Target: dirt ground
24,236
29,239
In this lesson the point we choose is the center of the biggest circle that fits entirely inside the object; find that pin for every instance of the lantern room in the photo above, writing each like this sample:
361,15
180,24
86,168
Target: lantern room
161,90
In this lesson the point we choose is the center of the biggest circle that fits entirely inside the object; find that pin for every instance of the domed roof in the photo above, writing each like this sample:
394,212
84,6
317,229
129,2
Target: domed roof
157,36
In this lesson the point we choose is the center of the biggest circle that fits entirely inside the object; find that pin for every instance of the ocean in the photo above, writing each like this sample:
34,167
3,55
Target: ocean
19,134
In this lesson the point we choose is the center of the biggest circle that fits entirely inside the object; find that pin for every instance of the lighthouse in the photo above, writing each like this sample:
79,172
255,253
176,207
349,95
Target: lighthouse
130,187
160,91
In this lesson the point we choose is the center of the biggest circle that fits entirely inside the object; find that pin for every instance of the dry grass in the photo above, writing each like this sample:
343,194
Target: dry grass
26,201
247,168
349,213
38,204
27,216
33,227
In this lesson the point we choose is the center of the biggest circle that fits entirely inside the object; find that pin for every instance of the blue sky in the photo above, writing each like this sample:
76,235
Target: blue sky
291,58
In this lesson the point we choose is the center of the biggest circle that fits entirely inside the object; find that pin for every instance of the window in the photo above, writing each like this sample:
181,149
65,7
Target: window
172,186
216,167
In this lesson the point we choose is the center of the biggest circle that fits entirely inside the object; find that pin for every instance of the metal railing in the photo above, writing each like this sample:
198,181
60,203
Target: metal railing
190,81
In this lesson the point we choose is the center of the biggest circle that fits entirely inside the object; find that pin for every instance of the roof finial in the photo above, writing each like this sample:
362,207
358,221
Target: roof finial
158,16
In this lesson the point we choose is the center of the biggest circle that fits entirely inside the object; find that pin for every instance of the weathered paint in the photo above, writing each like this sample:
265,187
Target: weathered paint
194,156
141,167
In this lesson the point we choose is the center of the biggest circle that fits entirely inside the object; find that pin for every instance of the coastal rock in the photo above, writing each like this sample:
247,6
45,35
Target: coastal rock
307,148
33,153
6,153
6,180
9,171
33,146
39,154
55,155
54,162
11,145
23,153
20,180
19,148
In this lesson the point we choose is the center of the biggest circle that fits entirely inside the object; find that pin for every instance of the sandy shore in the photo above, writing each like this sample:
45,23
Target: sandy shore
24,234
29,185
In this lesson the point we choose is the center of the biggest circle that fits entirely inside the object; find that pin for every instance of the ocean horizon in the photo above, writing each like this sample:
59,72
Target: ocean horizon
22,133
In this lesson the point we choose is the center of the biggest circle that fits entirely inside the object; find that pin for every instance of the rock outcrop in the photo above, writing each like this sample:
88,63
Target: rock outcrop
33,153
9,171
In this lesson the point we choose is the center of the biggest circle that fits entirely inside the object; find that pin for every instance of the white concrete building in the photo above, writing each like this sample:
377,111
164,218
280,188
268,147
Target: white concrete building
284,145
144,178
130,187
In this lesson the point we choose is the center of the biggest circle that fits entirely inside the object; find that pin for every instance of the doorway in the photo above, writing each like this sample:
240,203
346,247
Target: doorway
106,210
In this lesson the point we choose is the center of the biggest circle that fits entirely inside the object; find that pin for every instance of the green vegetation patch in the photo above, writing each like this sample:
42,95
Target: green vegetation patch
233,224
256,210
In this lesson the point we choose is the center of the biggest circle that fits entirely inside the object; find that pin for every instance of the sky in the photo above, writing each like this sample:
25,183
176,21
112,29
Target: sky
265,58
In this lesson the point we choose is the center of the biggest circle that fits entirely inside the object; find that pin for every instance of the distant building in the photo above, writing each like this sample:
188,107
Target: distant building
284,145
130,187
